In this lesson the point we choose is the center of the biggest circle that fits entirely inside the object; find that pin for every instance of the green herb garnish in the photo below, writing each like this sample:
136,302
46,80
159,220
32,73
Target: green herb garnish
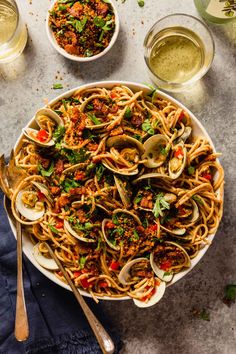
147,127
59,133
191,170
138,199
141,3
204,315
99,171
48,172
57,86
128,113
67,184
52,228
82,262
197,199
94,119
160,205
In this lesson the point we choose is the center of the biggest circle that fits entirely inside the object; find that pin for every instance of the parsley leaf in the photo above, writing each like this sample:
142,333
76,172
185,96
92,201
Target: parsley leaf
99,172
57,86
197,199
82,261
59,133
128,113
115,219
46,173
191,170
141,3
138,199
67,184
160,205
78,25
204,315
52,228
94,119
136,235
99,22
147,127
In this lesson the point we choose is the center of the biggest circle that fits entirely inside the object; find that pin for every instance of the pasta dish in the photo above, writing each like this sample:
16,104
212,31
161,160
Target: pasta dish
117,184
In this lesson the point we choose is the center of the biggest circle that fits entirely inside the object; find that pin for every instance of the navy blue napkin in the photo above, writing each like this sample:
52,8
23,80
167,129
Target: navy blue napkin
57,324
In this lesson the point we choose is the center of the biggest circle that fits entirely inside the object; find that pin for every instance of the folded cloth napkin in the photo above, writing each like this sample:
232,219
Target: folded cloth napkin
56,322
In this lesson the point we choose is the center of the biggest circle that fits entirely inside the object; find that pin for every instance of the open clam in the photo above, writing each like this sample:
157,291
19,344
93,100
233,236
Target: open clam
80,232
48,121
45,262
113,230
186,134
125,154
124,193
167,258
153,175
155,151
132,273
29,205
178,160
44,189
96,119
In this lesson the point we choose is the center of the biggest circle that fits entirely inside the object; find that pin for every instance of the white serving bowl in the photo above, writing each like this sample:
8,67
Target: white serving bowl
75,57
198,130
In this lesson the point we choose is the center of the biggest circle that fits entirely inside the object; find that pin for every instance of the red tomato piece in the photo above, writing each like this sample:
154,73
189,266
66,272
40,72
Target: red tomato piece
77,273
84,282
41,196
165,265
181,117
115,265
103,284
207,176
109,225
42,135
113,95
153,227
179,153
59,224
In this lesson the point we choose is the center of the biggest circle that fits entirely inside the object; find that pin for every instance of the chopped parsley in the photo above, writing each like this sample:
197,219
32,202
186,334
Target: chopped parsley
147,127
48,172
160,205
141,3
191,170
99,171
128,113
52,228
82,262
138,199
136,235
59,133
204,315
115,219
94,119
197,199
57,86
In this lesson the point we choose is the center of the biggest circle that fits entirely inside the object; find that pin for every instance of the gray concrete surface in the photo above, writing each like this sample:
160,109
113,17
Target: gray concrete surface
170,327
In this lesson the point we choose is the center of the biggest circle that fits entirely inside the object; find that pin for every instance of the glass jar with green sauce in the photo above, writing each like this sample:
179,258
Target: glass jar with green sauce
217,11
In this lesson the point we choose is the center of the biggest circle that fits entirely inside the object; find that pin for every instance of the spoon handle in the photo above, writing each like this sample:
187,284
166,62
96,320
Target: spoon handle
103,338
21,320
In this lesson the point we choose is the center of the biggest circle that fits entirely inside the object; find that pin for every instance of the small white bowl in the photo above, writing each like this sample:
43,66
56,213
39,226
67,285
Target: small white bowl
75,57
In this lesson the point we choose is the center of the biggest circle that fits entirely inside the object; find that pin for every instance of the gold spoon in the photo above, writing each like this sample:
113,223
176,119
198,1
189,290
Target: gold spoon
21,319
7,181
103,338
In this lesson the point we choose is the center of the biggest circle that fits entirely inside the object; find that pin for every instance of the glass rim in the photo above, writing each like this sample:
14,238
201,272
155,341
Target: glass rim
200,74
14,3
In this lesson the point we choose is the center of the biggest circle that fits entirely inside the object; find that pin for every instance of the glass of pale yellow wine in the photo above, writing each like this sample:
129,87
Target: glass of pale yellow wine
13,32
179,50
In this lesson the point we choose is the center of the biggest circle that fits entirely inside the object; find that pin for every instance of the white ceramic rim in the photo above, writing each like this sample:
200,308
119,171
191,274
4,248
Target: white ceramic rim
198,130
77,58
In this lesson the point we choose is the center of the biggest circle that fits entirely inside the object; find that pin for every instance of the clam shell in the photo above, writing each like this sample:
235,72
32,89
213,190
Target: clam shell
195,214
123,211
160,273
186,134
76,234
78,166
124,141
30,133
49,113
116,248
188,263
153,152
174,231
123,172
45,262
160,290
44,189
122,192
152,175
124,272
82,108
172,174
29,213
